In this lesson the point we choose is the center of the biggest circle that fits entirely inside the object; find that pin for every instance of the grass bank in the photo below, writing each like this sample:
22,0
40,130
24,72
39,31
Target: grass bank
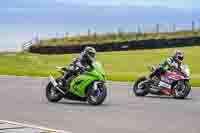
119,66
115,37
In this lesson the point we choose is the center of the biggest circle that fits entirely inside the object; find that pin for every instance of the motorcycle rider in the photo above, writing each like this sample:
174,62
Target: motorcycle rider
80,65
170,63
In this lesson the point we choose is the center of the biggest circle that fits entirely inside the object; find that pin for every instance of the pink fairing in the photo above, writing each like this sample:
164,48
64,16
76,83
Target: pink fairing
175,75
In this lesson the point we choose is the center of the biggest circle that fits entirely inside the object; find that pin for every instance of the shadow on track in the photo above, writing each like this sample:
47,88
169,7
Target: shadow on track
165,97
72,103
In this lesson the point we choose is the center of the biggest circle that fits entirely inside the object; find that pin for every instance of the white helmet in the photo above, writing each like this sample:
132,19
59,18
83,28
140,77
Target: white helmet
179,56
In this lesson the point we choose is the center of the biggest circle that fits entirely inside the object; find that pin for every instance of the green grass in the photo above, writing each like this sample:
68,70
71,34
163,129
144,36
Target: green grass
114,37
119,66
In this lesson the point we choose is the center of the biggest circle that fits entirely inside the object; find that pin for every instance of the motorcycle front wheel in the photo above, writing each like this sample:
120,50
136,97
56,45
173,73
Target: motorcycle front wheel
96,97
181,89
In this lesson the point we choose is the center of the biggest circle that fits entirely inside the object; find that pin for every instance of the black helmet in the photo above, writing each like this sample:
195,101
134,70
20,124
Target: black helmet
90,52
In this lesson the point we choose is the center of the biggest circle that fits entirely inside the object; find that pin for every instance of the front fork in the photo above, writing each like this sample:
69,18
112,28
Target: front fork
97,86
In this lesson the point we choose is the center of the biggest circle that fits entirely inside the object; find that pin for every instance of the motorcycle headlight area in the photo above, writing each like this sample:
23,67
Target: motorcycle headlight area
186,70
187,73
98,85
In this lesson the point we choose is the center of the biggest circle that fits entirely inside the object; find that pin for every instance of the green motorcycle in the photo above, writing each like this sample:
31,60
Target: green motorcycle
88,86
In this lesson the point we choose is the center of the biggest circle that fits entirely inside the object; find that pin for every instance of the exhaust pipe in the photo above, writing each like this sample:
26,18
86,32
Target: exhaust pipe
55,84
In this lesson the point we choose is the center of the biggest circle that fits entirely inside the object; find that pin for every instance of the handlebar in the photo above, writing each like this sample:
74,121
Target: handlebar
63,69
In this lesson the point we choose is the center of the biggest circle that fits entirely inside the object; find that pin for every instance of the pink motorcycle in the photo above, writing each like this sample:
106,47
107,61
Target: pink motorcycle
174,83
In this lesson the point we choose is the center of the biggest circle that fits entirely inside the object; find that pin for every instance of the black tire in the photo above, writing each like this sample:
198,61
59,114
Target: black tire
51,98
100,99
185,92
144,90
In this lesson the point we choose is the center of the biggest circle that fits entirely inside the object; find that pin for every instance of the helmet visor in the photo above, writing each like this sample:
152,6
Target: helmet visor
92,54
180,58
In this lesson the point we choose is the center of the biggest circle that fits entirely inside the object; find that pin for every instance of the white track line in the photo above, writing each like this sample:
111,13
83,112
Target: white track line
33,126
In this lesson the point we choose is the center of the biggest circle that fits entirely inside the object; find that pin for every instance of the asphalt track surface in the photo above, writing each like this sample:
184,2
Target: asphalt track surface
22,100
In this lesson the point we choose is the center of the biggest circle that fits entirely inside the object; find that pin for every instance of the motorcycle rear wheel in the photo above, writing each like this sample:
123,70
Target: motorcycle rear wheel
52,94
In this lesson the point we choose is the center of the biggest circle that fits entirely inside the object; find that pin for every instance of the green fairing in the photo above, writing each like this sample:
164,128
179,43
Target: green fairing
81,83
165,65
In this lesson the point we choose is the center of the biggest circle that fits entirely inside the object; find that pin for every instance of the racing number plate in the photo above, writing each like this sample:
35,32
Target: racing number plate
163,84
